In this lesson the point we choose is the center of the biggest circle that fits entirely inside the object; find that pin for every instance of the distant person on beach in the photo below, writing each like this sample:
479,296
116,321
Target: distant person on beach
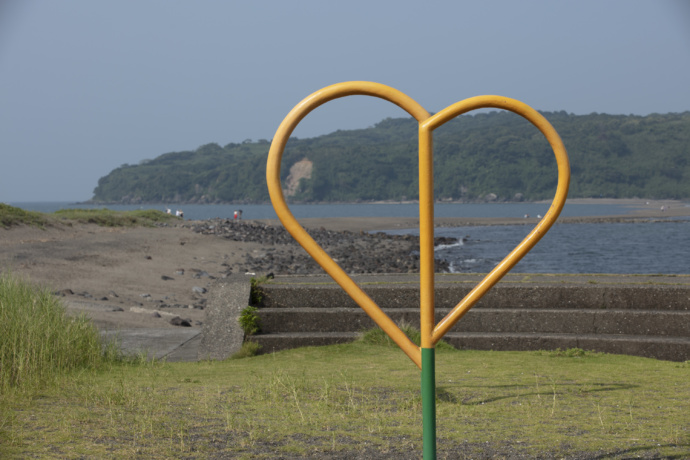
234,216
239,214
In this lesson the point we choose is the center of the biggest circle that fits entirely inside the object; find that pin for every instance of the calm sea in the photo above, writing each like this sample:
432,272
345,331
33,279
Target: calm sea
654,247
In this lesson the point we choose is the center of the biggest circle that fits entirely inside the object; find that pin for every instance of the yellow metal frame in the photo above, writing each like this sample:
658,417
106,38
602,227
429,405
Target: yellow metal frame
430,333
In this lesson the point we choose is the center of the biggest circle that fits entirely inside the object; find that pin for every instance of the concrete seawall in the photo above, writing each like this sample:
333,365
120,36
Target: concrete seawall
643,315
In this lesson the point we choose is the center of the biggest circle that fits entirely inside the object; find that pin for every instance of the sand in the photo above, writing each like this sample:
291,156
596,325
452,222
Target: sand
116,276
144,277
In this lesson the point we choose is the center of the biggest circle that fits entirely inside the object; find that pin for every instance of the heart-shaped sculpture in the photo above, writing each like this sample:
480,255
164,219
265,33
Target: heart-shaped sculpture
430,333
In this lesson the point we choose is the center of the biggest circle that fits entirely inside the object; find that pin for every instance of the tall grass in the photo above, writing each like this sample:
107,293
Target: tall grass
39,341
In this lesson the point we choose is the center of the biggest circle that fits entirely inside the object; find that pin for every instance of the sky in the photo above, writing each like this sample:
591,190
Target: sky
87,86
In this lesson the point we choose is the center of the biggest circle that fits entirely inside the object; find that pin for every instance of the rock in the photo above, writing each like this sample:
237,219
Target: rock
155,314
177,321
167,278
64,292
199,290
355,252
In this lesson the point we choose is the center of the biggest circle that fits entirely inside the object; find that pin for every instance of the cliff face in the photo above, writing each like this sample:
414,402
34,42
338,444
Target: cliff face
300,170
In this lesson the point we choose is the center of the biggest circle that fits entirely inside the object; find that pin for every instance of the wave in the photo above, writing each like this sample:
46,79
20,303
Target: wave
447,246
463,263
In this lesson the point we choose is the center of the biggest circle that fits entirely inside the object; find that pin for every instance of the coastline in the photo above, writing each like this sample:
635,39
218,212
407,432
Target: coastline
143,277
606,201
625,210
640,211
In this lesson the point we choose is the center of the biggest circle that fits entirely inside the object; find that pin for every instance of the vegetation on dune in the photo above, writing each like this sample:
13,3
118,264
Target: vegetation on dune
11,216
487,156
109,218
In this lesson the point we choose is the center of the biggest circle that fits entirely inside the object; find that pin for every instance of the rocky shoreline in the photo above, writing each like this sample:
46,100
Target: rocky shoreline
356,253
142,277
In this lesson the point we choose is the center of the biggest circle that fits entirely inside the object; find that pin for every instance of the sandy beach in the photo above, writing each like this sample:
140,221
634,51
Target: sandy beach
123,277
145,277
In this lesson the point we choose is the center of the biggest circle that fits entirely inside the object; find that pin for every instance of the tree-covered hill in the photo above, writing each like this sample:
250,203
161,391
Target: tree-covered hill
487,156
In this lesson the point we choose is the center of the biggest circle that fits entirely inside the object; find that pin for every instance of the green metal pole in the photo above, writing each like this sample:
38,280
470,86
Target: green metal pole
429,403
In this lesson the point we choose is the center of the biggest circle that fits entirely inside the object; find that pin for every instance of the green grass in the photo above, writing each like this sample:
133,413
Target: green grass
11,216
39,342
249,348
376,336
109,218
360,399
250,321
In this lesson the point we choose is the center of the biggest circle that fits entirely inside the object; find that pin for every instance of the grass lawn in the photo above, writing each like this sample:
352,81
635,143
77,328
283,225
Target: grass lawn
359,400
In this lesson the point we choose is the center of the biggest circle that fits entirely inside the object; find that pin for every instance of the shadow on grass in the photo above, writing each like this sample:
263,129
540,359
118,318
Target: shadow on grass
645,451
443,394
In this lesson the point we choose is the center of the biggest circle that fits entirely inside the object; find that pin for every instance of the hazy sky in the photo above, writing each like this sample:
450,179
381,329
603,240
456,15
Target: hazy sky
86,86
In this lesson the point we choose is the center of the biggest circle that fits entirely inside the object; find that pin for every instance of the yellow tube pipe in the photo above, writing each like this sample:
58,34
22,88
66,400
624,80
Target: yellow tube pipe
275,190
544,224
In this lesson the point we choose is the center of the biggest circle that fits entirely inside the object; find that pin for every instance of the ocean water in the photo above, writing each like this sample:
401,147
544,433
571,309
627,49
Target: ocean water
651,247
658,247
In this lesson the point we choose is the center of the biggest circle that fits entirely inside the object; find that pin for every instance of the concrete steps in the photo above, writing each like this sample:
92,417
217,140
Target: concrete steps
637,315
482,319
286,340
658,347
